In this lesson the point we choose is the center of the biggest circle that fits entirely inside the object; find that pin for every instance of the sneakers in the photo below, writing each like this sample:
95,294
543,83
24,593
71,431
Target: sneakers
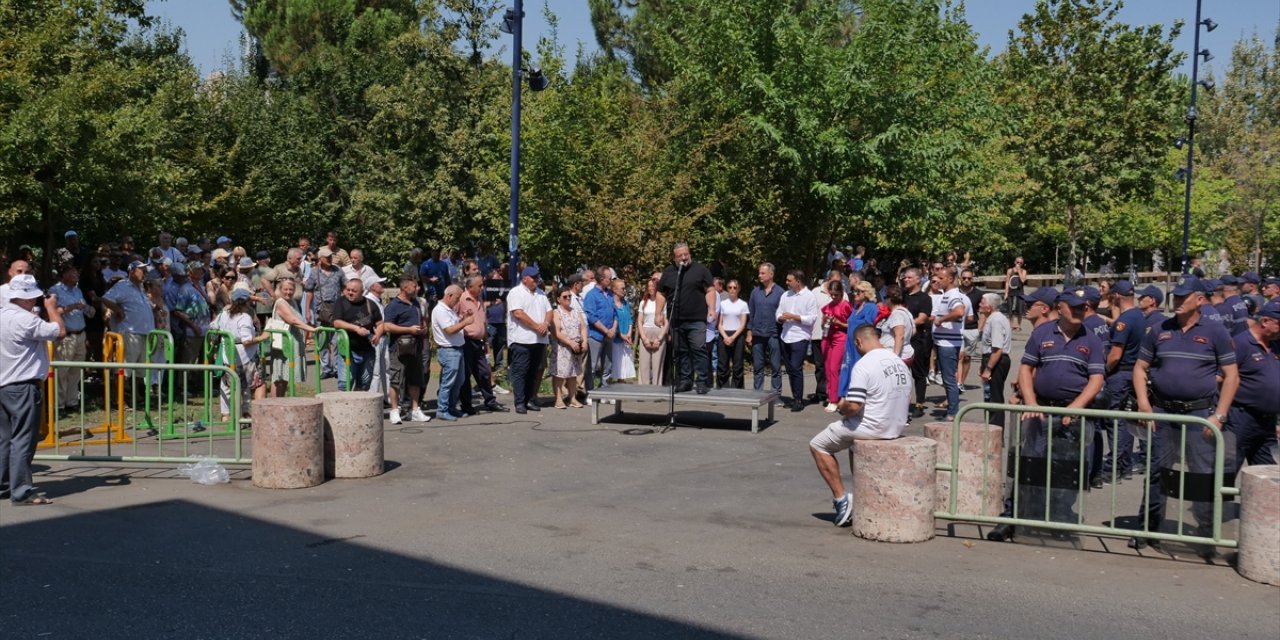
934,378
395,417
419,416
844,509
831,407
499,390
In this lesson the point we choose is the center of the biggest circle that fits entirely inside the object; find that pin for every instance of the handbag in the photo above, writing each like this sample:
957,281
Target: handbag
274,323
406,345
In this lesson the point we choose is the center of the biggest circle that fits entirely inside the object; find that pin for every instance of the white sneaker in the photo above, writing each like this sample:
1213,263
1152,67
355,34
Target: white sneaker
419,416
831,407
395,416
499,390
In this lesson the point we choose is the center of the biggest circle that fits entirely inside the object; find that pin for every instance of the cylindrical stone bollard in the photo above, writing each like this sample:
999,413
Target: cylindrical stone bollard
353,442
894,489
1259,558
981,469
288,443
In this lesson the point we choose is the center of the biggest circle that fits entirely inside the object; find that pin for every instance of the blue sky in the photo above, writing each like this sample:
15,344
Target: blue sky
212,34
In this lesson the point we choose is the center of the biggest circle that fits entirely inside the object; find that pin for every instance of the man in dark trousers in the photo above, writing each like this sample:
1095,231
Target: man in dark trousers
686,286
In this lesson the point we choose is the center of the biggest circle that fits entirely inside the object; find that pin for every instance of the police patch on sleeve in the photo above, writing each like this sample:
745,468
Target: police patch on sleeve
1120,326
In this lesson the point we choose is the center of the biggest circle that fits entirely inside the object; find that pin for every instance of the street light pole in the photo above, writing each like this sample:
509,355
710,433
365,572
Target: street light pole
517,50
1209,25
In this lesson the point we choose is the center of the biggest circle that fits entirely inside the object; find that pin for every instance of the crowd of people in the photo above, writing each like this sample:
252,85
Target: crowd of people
875,340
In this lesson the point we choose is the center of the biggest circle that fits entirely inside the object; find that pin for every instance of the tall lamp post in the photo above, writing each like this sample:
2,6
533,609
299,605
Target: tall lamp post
512,23
1209,25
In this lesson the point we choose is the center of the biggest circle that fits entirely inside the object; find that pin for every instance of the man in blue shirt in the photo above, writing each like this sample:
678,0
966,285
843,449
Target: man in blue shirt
1125,342
1257,403
74,310
435,277
1232,304
1149,301
1177,372
602,326
763,335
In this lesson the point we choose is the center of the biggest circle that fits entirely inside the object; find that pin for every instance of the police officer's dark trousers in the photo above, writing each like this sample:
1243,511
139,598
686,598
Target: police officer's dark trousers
1255,434
1167,456
1057,471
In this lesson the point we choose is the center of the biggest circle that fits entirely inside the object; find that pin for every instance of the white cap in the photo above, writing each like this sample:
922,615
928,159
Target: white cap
23,287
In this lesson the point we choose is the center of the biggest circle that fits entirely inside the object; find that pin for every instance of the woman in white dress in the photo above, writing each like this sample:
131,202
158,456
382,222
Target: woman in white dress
624,350
652,338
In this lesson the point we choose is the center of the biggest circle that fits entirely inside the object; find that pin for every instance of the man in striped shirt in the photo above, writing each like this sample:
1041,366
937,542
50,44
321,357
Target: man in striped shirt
949,314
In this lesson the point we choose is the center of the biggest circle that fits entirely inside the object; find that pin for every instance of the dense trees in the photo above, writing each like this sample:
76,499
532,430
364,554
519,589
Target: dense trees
755,129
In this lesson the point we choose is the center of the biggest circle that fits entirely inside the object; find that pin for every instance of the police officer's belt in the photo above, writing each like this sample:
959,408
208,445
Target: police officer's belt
1183,406
1053,403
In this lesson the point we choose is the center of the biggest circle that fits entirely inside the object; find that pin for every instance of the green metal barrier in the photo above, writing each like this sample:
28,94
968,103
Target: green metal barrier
344,350
97,444
156,339
1117,419
289,349
220,354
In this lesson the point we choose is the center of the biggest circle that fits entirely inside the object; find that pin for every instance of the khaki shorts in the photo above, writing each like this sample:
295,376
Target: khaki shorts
404,370
837,437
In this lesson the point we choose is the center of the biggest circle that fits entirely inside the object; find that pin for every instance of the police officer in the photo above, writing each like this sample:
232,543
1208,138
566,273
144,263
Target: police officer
1062,366
24,349
1232,304
1210,309
1096,324
1254,410
1176,373
1125,341
1250,284
1149,301
1271,289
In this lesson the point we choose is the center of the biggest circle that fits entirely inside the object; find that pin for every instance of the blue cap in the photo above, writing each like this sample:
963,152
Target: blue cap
1229,279
1251,277
240,294
1188,286
136,264
1275,281
1074,297
1092,295
529,272
263,255
222,239
1047,295
1154,292
1270,310
1122,288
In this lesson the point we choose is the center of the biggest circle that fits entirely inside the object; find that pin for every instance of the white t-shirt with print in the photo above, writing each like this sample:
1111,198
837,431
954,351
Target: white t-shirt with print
882,383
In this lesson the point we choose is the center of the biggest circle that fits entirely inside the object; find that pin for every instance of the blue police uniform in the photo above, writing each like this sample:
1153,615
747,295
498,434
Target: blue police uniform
1183,369
1239,310
1063,366
1127,333
1252,417
1097,325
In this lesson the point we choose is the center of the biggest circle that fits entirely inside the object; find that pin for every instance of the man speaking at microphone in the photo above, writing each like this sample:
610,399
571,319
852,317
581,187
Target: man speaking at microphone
686,286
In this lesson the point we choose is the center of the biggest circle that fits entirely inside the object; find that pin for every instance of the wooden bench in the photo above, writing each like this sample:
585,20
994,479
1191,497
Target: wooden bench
617,393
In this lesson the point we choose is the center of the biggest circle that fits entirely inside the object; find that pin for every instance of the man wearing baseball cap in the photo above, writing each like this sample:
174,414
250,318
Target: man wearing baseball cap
1149,300
1124,343
24,349
1177,373
1257,403
528,321
1251,291
1271,289
1232,304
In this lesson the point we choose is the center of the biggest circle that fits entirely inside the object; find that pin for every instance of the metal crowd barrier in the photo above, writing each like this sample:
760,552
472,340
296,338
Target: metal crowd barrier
289,348
123,440
1038,475
344,351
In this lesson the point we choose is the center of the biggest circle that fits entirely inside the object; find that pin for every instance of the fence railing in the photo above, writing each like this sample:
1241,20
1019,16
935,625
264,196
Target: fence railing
322,337
1047,475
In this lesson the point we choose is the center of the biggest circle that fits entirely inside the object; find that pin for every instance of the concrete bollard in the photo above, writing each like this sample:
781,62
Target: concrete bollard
288,443
980,490
1259,558
894,489
353,444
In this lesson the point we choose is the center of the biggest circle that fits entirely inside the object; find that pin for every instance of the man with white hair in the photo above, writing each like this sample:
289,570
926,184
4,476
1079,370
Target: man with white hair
167,250
24,349
131,315
358,270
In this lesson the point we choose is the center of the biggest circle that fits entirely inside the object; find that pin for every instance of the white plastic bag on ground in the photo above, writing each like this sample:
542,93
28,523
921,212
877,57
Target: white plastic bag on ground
206,471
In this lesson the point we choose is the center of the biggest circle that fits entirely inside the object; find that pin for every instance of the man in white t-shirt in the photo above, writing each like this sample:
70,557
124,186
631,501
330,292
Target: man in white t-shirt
874,408
528,320
797,313
949,313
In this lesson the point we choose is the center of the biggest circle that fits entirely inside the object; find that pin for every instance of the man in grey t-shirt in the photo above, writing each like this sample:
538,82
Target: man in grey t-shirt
997,340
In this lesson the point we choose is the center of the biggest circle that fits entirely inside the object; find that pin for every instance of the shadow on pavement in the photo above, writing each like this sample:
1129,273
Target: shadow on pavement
176,569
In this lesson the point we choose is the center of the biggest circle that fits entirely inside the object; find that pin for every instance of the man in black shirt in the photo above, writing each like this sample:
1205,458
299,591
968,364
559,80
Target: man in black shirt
920,305
362,321
687,286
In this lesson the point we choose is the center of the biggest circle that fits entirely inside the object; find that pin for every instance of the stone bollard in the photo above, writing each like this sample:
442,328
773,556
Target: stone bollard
1259,558
288,443
352,434
981,489
894,489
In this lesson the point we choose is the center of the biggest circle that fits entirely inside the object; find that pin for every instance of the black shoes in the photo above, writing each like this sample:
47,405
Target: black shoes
702,389
797,406
1001,533
521,410
496,407
684,386
532,406
917,411
1096,483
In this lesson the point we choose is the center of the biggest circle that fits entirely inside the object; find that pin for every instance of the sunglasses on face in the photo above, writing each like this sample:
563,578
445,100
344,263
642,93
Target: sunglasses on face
565,296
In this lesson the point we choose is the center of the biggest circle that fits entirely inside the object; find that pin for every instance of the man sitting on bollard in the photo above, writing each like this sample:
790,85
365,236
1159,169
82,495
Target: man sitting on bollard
874,408
1062,366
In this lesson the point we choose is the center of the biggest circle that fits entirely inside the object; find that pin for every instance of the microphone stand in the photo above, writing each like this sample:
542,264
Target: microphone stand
671,340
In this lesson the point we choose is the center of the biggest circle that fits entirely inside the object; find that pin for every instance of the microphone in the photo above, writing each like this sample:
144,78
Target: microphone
680,266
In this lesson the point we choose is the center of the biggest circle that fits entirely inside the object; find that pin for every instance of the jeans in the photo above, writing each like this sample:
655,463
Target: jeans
599,362
713,352
361,377
759,344
691,352
793,353
451,373
526,360
948,361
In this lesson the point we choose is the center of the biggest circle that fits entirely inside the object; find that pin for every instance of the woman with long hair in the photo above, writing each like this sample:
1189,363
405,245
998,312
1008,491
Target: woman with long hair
835,324
865,311
569,332
1015,280
733,317
652,337
237,320
284,311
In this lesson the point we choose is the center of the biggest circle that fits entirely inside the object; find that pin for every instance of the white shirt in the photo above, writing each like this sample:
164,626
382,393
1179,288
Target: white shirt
23,348
172,253
803,304
648,314
823,298
996,333
535,305
882,383
898,317
950,334
138,318
366,275
733,314
443,317
241,327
